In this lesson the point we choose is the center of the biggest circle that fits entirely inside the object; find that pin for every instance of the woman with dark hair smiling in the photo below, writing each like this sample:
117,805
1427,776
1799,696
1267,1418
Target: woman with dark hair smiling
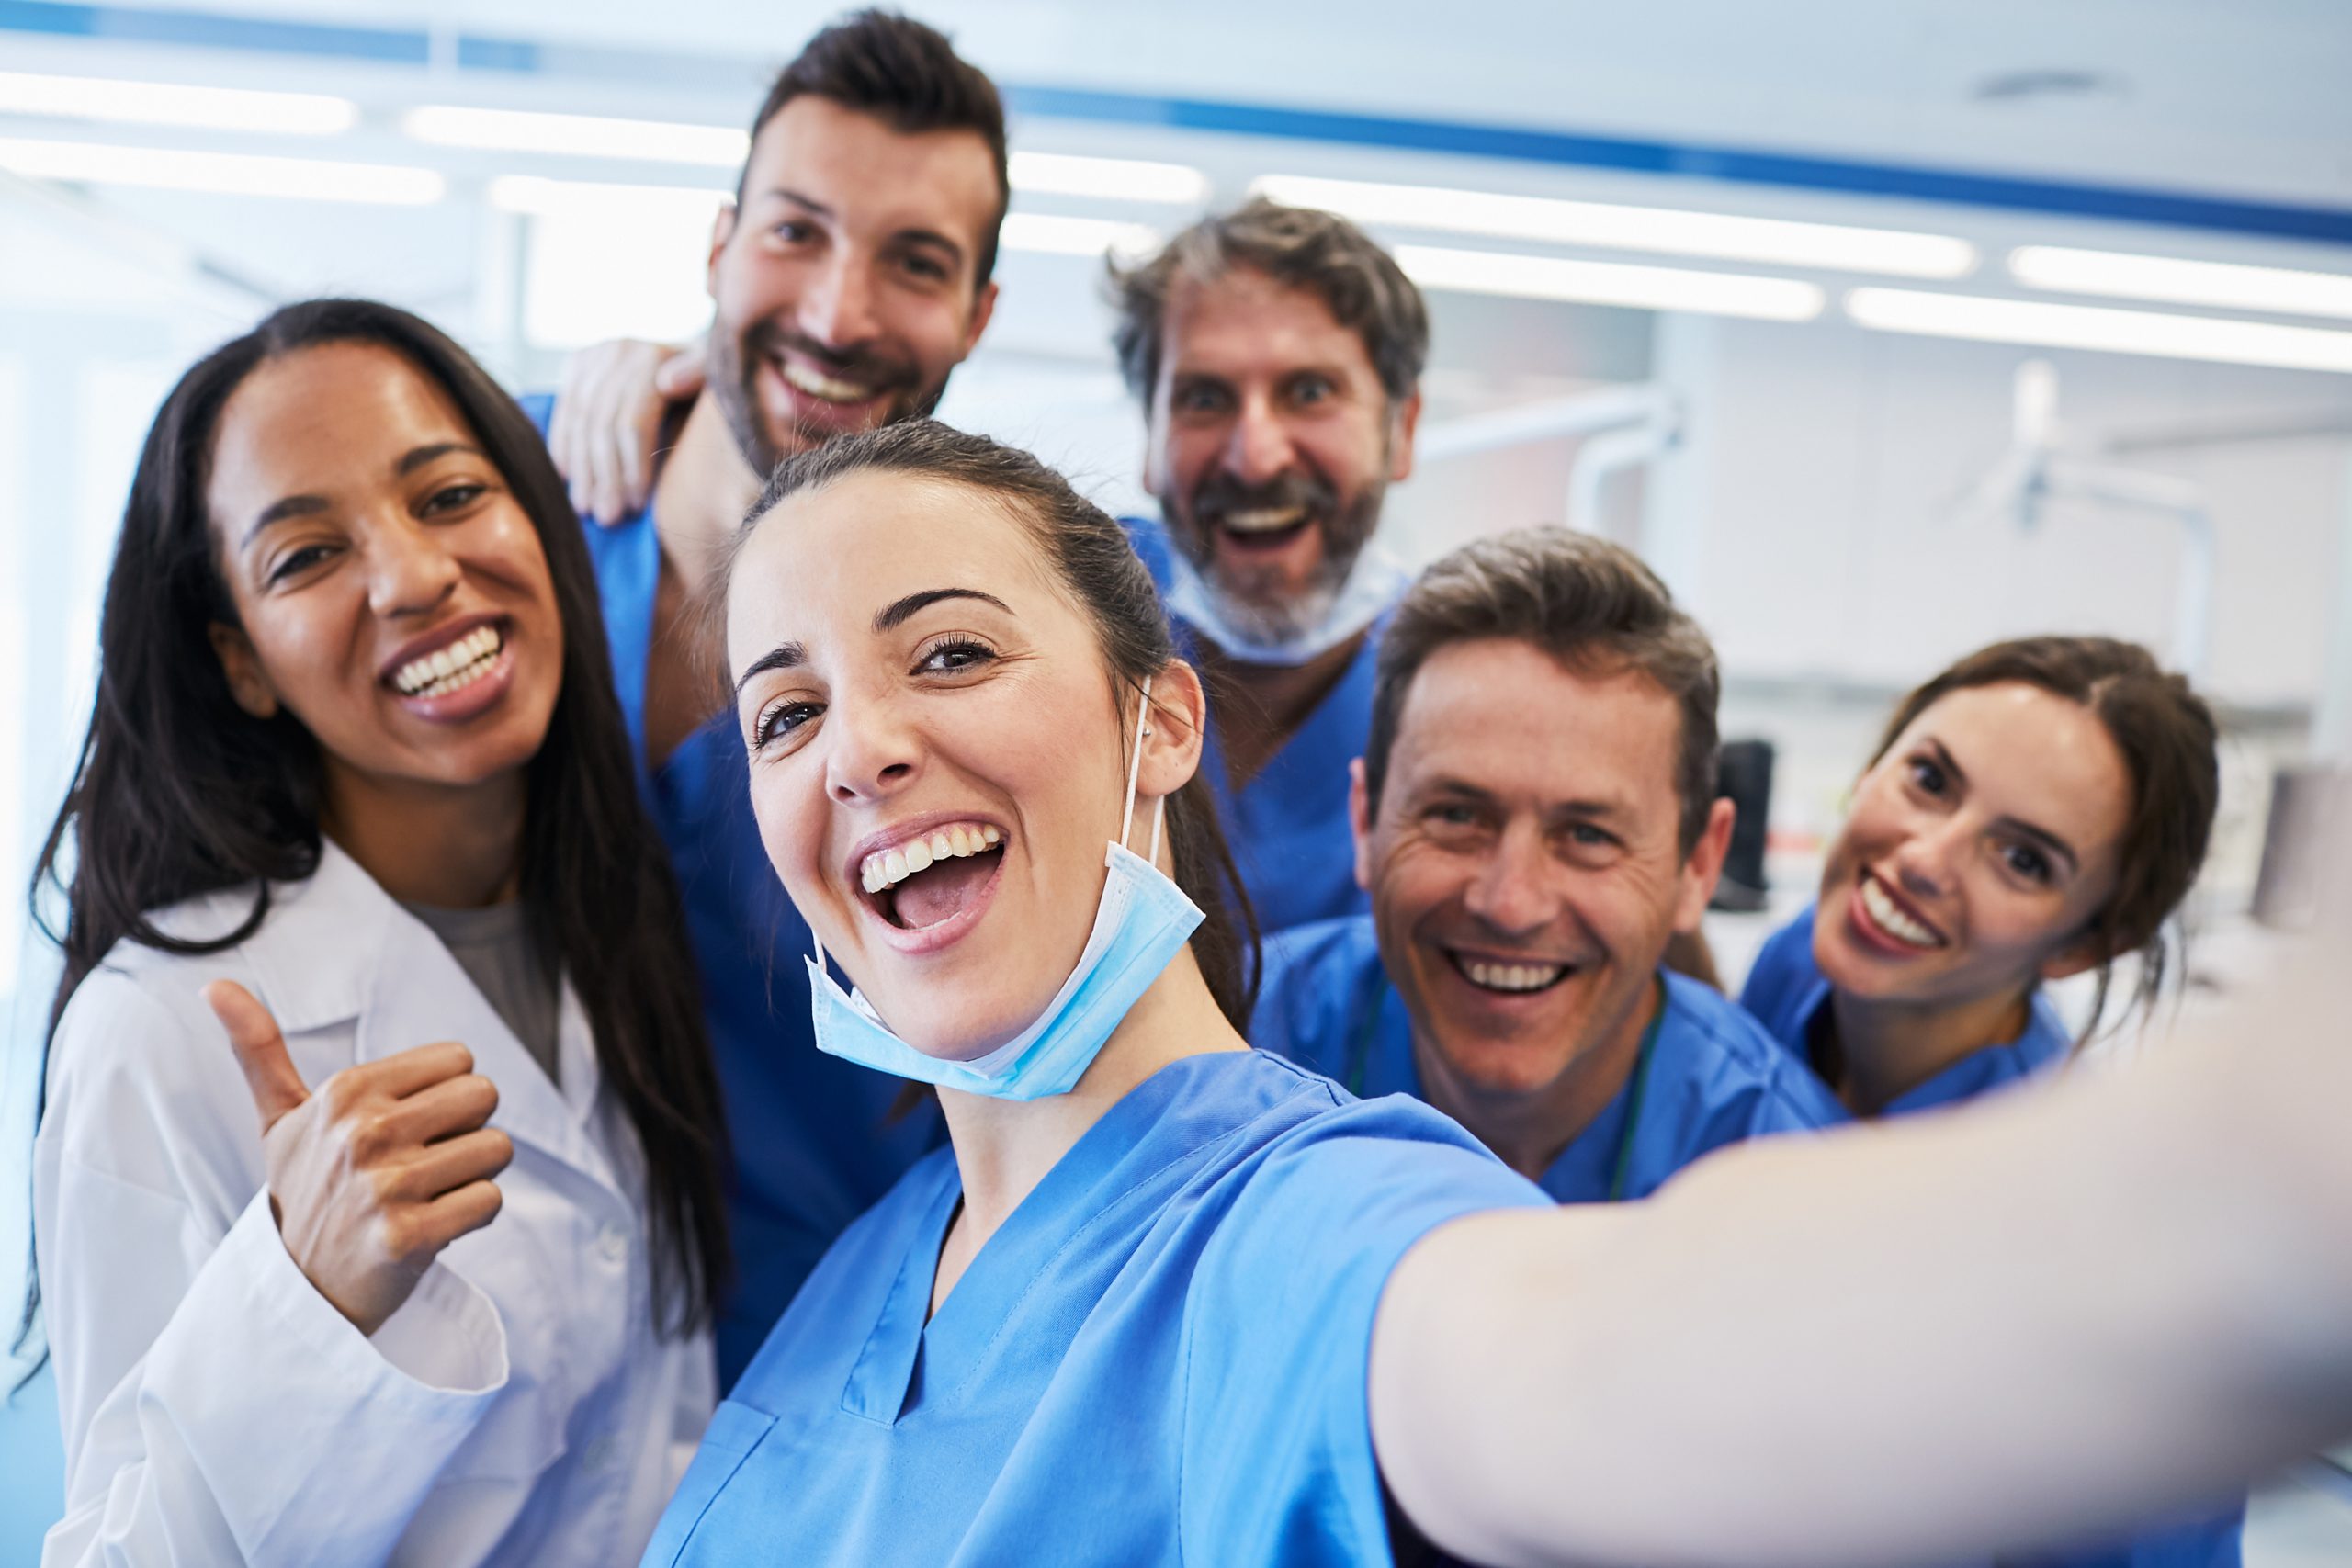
353,859
1168,1298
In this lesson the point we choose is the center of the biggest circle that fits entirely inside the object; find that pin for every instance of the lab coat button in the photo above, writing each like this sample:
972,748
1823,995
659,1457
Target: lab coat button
612,1243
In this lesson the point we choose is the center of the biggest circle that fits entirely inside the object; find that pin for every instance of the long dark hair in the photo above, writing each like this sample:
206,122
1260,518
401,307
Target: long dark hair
180,792
2168,741
1088,553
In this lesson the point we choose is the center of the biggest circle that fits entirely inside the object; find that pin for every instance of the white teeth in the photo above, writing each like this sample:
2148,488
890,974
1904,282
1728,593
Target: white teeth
1889,918
819,385
447,670
1264,520
959,841
1511,976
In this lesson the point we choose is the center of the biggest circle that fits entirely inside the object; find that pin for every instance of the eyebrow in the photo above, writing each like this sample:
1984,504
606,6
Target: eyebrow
2018,825
895,614
307,505
783,655
1580,810
905,236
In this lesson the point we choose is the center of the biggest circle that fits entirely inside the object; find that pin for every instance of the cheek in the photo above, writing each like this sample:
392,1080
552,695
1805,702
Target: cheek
791,827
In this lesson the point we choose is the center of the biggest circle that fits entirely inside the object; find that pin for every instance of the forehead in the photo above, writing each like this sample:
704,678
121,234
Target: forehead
1245,322
2033,754
822,561
326,415
1508,717
872,175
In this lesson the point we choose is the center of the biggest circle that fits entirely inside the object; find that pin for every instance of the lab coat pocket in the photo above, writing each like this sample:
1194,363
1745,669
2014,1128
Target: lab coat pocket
734,1432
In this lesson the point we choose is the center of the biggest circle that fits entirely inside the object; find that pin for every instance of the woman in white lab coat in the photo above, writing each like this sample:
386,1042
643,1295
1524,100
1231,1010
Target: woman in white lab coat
377,1190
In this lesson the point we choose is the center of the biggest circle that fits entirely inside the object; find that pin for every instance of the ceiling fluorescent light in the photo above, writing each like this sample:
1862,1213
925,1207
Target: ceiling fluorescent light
578,135
171,102
1716,235
1050,234
228,174
1111,179
2099,327
543,198
1612,283
2177,281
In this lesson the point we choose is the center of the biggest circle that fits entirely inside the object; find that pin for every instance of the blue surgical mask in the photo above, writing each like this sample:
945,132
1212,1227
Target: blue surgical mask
1376,581
1143,921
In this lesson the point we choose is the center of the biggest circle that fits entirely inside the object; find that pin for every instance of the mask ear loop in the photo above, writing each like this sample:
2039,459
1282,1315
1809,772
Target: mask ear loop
1134,771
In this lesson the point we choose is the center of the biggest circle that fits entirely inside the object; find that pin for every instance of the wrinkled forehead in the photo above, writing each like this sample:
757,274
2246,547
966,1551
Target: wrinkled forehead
1504,715
817,567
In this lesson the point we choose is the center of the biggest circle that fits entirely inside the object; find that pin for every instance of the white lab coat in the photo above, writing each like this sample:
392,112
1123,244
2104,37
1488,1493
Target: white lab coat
518,1407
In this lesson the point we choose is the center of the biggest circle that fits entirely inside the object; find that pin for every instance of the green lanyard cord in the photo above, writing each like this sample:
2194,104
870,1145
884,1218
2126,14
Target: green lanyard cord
1360,1057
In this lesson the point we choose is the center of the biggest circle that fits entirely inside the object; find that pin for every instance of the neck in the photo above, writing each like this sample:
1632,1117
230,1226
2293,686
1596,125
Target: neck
1880,1051
1004,1148
1527,1130
701,494
452,847
1260,706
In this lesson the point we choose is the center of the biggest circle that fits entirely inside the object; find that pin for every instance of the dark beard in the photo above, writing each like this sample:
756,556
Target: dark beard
735,362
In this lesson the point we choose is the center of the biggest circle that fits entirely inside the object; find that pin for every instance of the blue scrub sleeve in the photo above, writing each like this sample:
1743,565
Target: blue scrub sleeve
1277,1442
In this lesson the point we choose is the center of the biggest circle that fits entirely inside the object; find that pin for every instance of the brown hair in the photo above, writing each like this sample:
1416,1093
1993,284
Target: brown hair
1089,554
1297,246
905,75
2167,739
1584,601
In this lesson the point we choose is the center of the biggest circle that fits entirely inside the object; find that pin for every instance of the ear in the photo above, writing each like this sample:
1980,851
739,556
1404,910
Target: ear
723,229
1406,421
1703,867
1174,733
2085,954
983,310
242,665
1360,821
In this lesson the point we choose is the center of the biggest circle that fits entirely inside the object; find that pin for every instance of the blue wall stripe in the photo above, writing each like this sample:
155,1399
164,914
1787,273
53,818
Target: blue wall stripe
2331,225
204,30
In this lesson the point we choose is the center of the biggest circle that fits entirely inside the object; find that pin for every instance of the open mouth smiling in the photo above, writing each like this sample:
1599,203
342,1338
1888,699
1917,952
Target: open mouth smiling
1508,976
923,876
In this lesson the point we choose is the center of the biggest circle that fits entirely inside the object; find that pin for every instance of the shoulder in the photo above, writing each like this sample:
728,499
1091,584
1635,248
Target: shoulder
1148,538
538,408
1743,1063
1312,983
1782,972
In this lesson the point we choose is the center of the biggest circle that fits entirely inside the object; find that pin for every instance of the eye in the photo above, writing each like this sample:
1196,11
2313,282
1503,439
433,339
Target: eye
926,267
793,231
455,497
2030,863
1585,836
781,719
1929,775
296,561
1308,390
952,656
1199,398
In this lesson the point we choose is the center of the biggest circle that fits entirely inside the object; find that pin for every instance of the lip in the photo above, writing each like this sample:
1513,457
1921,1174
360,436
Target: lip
1875,938
1452,959
436,639
475,697
807,409
947,932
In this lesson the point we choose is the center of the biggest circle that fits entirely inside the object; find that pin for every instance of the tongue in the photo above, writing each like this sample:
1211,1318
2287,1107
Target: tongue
930,896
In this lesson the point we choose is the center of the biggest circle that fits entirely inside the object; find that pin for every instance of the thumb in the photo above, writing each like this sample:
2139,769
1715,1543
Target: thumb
680,376
261,1050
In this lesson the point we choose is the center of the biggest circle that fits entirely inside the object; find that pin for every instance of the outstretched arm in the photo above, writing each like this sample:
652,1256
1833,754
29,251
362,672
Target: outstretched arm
2051,1316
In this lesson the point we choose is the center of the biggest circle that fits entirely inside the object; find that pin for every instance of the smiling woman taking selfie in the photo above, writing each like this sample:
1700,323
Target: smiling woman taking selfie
1170,1299
354,860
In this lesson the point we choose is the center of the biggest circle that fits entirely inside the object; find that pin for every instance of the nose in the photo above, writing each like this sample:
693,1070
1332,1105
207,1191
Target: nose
1512,891
838,308
1924,862
411,569
1259,449
874,755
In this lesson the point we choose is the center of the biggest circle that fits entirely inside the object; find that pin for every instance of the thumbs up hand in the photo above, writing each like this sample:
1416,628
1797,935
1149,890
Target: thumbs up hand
370,1178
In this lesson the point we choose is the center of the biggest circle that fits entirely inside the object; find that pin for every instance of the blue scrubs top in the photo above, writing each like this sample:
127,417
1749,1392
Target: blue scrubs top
1786,991
1161,1358
1706,1075
814,1141
1288,825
